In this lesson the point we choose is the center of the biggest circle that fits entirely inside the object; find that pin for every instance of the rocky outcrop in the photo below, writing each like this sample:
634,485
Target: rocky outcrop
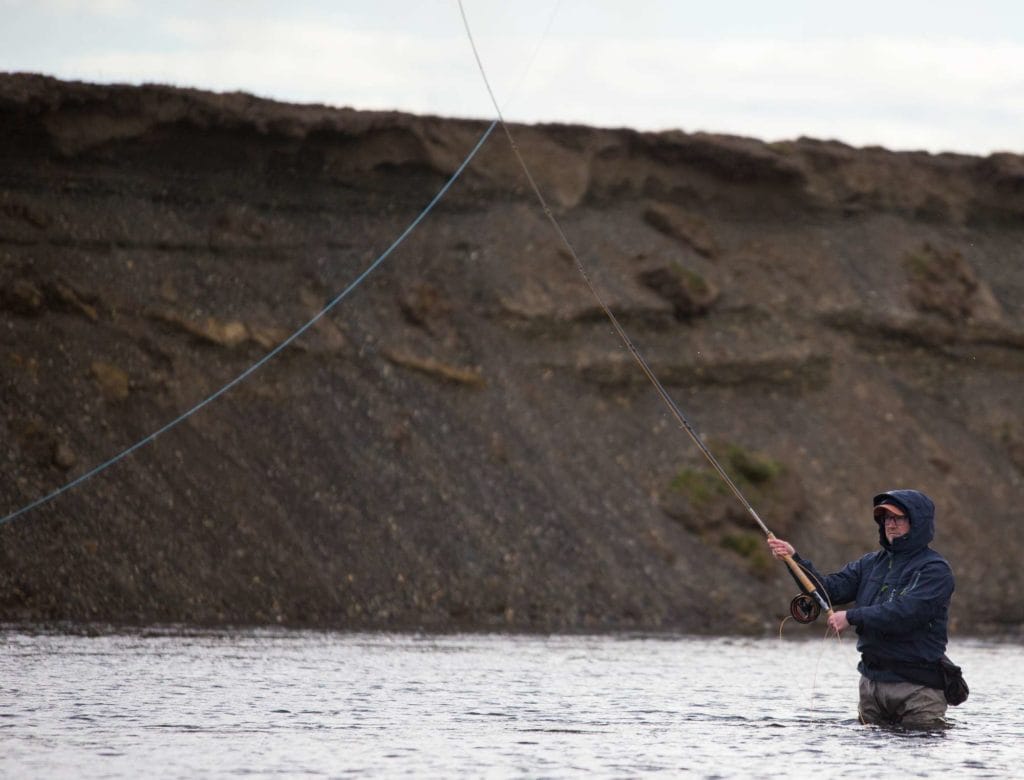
463,442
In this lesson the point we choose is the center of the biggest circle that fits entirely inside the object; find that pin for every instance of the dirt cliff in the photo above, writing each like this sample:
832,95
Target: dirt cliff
463,442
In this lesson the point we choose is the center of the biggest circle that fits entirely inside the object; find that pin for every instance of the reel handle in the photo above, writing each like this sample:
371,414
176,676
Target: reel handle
805,582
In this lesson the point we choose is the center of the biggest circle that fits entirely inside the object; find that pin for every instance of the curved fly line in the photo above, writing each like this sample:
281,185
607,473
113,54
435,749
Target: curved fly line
302,329
673,407
272,353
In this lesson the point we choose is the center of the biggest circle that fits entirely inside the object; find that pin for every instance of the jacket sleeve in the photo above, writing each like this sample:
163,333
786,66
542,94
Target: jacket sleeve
839,588
922,600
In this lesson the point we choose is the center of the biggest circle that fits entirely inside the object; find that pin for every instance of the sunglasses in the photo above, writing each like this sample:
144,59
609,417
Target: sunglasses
889,517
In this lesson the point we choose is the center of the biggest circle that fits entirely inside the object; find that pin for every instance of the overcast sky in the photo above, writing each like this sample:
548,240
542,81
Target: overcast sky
945,75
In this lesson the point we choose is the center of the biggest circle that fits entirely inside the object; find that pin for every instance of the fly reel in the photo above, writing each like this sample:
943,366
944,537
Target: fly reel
804,609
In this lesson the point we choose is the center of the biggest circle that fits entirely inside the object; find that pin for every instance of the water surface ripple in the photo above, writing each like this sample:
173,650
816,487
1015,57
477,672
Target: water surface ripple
297,704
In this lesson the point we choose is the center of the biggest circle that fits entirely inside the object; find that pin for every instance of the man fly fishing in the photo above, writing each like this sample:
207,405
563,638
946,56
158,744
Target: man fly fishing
902,594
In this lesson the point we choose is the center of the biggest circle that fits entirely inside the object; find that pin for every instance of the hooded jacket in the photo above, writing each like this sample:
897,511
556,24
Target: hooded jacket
902,593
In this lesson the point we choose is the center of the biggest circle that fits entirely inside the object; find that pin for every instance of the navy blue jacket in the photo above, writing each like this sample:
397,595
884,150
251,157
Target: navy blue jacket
902,591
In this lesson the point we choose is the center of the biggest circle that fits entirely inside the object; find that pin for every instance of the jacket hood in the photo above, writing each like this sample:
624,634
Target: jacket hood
921,511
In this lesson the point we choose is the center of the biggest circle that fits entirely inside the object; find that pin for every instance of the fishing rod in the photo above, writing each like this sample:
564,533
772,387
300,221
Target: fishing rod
814,594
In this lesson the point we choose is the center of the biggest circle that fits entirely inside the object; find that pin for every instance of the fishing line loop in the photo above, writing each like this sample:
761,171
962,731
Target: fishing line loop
272,353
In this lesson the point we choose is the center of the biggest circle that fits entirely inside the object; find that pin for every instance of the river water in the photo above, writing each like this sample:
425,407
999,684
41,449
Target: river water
298,704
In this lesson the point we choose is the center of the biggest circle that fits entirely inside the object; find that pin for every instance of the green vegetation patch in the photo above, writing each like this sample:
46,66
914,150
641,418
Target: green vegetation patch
755,469
700,486
692,282
746,545
703,485
920,265
750,547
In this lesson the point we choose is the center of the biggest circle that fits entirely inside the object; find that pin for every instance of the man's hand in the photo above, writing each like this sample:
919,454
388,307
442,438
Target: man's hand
838,621
780,548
